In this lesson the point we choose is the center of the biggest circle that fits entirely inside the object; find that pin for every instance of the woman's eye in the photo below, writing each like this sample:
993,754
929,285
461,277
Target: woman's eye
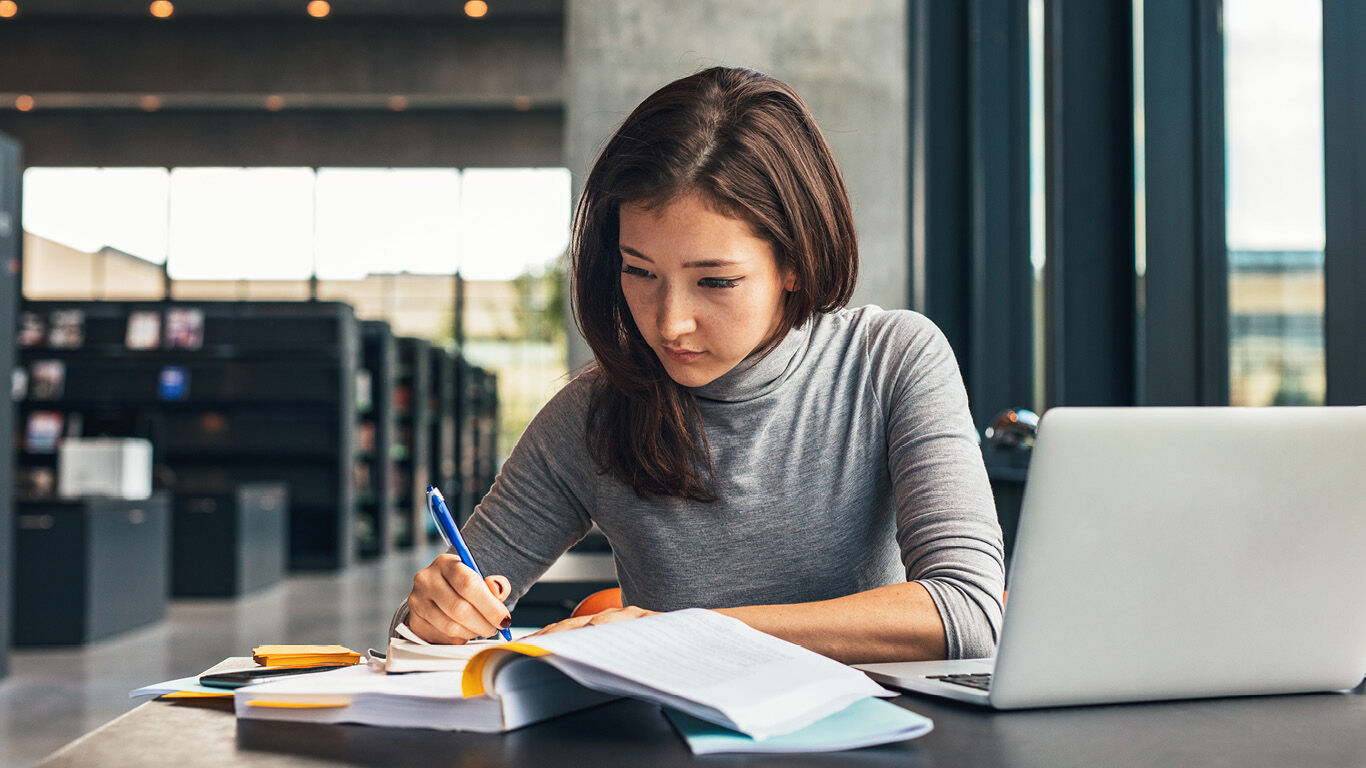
627,269
719,282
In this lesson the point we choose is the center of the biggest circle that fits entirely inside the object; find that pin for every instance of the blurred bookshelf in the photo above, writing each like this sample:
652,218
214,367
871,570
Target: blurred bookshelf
410,448
227,392
373,474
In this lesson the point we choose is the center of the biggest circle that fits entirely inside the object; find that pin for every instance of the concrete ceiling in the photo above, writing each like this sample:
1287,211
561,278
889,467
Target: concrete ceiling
90,9
241,82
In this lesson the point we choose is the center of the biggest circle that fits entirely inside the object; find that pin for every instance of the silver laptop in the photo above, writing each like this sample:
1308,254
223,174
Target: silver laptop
1171,553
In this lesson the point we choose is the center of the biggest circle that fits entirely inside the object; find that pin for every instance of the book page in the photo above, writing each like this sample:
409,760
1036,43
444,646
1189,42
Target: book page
706,663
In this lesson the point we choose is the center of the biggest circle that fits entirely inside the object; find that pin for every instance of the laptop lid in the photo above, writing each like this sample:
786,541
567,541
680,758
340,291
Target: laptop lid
1187,552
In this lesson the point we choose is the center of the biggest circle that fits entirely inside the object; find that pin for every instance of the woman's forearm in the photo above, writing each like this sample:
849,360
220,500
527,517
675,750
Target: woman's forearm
898,622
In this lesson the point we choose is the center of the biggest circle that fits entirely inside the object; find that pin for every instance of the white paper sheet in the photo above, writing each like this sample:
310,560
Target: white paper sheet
707,664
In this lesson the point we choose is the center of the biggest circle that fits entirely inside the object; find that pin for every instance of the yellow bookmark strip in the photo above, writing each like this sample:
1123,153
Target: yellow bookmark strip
472,682
195,695
299,704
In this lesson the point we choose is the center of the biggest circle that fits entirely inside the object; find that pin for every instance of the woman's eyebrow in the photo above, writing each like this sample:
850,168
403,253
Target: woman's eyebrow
703,264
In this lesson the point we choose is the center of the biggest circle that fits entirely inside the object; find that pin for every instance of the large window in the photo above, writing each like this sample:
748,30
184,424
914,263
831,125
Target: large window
387,241
1275,195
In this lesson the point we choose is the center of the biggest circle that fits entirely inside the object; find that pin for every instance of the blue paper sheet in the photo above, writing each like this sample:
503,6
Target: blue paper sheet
862,724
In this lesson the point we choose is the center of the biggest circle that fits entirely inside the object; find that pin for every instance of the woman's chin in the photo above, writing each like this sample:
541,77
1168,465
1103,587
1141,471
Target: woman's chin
694,374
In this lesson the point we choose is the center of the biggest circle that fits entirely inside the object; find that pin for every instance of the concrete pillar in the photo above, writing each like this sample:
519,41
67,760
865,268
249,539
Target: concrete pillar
848,60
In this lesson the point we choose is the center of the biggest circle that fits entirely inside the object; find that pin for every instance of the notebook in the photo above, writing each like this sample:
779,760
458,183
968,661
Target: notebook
1169,553
702,663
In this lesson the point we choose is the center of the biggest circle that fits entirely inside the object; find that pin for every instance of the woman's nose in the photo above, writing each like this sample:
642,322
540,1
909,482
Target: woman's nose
676,318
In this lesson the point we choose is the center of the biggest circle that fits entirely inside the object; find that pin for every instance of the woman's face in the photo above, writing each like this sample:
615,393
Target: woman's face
704,290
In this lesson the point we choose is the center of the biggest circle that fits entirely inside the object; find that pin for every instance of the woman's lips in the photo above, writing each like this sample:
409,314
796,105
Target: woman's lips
682,355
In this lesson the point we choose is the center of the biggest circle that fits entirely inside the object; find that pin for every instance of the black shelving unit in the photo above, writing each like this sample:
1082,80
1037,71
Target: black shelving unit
248,526
10,235
441,434
410,441
89,568
261,392
478,435
373,471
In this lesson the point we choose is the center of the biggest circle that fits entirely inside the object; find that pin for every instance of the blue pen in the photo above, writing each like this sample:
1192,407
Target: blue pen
436,504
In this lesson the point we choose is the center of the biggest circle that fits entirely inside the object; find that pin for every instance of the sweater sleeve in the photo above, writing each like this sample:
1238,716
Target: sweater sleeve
947,529
539,504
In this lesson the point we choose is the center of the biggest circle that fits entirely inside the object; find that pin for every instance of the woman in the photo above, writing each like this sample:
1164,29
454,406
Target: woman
744,443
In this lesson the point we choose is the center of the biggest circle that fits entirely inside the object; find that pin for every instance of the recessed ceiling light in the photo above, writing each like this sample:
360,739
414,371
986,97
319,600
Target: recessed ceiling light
162,9
398,103
319,8
476,8
150,103
275,103
24,103
8,9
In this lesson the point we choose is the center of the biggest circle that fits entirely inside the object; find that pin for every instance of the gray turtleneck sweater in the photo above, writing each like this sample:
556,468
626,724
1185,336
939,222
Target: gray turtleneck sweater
845,460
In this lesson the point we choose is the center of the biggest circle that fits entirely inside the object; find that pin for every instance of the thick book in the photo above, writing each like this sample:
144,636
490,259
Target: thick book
699,662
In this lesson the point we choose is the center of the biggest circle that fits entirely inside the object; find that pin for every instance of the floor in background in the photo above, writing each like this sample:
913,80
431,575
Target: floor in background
54,695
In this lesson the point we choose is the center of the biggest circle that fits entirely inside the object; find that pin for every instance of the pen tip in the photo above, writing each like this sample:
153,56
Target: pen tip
431,488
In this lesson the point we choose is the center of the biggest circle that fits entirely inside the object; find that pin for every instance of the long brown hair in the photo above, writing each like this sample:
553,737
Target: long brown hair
748,145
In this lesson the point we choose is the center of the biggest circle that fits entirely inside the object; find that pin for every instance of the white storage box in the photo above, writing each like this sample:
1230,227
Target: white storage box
120,467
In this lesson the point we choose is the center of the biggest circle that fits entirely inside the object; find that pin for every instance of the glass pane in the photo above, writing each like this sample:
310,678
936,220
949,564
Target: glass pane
1273,63
513,221
514,230
95,233
380,220
242,224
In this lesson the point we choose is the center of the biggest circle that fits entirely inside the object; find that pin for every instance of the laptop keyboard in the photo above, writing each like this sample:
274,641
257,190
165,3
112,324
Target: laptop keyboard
980,680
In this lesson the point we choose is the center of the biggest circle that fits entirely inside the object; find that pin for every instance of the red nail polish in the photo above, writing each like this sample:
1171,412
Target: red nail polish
506,623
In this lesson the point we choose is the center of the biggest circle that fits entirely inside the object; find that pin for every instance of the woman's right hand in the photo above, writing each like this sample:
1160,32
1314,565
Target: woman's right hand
451,605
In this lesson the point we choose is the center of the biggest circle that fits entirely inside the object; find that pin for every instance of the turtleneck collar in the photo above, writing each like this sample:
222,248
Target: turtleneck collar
756,376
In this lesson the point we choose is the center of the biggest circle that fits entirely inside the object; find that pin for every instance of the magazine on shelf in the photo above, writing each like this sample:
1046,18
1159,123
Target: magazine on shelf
66,329
144,329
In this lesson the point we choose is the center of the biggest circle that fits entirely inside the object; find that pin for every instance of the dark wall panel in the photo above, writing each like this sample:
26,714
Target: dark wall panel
1182,344
9,298
1089,177
457,138
452,58
1344,108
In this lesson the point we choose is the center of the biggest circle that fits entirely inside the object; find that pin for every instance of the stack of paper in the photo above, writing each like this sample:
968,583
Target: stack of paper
407,656
189,687
303,655
364,694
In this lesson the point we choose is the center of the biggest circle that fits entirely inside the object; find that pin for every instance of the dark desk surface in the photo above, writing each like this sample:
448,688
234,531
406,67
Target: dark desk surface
1300,731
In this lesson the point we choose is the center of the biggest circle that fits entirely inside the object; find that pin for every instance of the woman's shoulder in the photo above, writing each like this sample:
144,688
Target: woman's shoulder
899,348
885,330
561,422
569,405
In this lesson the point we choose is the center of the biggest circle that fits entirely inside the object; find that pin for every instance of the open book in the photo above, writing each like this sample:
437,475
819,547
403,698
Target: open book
707,665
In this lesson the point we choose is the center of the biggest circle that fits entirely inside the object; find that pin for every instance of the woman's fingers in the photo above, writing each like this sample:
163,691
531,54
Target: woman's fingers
432,624
560,626
430,586
618,614
458,595
605,617
499,586
475,593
